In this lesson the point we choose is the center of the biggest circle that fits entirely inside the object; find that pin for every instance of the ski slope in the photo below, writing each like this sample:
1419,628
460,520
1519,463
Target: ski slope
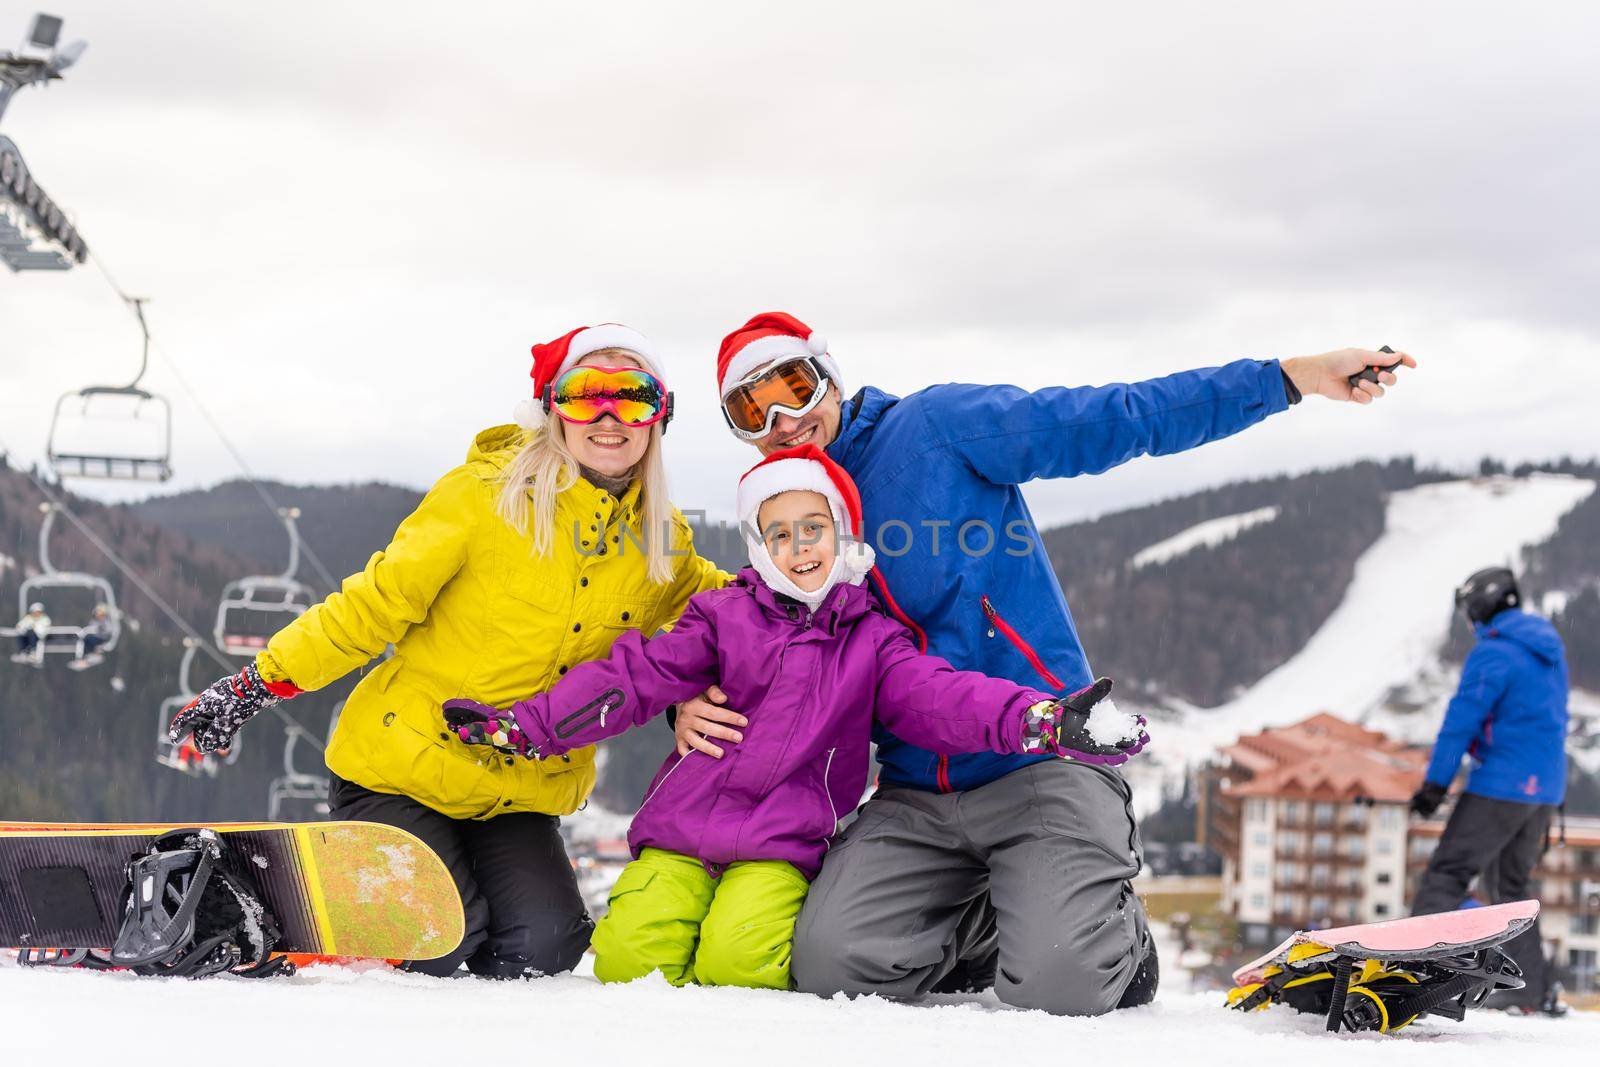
1388,628
375,1016
1208,534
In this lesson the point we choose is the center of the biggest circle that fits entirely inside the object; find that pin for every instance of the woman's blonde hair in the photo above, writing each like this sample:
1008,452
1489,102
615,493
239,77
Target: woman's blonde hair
544,468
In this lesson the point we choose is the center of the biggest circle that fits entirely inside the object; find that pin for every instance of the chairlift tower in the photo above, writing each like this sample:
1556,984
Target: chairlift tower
35,233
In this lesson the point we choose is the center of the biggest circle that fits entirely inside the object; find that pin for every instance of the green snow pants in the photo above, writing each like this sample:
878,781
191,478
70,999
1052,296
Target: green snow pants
668,914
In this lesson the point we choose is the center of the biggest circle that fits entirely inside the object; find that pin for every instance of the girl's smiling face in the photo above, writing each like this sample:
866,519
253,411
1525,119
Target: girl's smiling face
798,529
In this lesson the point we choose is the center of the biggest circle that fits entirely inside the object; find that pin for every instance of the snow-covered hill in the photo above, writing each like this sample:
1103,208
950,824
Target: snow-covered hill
1206,534
1387,631
376,1016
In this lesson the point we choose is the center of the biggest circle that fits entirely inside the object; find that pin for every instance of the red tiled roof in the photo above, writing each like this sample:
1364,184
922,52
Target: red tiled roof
1326,758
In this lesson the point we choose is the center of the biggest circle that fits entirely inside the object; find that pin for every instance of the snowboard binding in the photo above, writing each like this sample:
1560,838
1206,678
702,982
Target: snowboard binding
1371,978
189,909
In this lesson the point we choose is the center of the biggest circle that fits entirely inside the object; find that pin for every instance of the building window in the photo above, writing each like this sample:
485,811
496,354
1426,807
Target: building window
1291,811
1283,904
1383,846
1355,815
1380,910
1259,839
1290,843
1391,817
1319,908
1384,877
1422,847
1322,844
1255,809
1586,923
1258,901
1322,814
1258,870
1355,847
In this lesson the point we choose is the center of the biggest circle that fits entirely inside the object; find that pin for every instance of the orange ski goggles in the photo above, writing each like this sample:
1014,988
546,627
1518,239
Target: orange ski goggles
793,388
587,394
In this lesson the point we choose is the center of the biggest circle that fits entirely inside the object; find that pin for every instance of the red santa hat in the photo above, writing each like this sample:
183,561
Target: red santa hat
554,358
770,337
808,467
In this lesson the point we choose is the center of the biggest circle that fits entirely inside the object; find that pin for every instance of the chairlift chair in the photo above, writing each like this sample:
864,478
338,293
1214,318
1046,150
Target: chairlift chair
183,756
66,638
97,416
294,785
254,608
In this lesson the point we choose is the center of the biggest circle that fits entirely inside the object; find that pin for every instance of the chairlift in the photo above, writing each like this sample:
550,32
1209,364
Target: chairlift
183,756
63,587
256,607
119,432
294,786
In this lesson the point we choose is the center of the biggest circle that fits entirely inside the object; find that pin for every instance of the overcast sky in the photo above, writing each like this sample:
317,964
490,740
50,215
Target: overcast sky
353,220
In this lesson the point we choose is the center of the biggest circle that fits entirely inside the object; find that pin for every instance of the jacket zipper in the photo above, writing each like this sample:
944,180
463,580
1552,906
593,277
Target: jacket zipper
587,714
827,791
997,622
661,783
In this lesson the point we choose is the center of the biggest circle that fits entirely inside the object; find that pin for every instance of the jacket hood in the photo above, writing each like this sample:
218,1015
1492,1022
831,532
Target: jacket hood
1530,631
497,445
843,603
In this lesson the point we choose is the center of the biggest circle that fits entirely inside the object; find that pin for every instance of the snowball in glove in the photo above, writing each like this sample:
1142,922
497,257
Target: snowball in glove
1085,727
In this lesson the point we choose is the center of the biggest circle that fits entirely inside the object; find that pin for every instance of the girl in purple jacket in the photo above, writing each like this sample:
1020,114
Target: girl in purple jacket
724,850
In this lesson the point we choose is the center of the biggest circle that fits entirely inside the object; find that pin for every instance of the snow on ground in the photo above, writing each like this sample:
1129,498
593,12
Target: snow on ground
1394,616
1209,534
354,1017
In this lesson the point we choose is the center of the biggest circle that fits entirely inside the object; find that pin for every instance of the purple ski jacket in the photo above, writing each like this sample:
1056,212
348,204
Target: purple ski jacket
810,687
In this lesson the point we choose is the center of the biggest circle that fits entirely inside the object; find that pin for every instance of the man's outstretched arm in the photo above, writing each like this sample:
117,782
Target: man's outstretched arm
1009,435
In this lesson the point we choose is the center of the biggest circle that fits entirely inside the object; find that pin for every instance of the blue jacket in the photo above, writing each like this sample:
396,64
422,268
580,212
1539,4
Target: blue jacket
1509,713
939,473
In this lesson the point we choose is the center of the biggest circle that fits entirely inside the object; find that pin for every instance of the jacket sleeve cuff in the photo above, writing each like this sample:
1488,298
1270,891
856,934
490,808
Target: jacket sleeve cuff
1291,392
274,677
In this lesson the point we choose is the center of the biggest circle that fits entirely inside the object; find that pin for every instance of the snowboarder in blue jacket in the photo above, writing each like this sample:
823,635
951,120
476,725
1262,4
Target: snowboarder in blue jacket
1509,714
968,870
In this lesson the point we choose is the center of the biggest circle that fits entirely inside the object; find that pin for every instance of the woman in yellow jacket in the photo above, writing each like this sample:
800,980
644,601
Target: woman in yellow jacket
552,539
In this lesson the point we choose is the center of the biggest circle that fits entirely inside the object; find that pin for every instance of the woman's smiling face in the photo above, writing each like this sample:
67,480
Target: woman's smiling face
609,446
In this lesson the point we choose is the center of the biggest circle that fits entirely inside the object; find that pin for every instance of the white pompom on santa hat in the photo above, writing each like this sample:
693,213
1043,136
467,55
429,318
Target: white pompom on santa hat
554,358
770,337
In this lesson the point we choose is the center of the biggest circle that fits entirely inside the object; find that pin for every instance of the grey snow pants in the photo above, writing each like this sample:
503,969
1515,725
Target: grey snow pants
1027,876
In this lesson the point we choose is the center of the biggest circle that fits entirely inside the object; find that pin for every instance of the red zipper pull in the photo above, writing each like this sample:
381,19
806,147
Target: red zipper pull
988,611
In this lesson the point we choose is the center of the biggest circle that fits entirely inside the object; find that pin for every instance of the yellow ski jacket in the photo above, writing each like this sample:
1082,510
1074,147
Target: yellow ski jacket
472,612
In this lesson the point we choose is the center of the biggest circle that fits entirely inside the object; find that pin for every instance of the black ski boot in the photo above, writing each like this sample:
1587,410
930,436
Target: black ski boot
191,909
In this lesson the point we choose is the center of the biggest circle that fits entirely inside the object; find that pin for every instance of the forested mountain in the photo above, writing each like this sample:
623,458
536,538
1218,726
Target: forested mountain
1196,619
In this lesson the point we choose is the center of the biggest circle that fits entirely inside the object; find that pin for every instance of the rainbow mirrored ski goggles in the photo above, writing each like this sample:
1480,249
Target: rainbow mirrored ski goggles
587,394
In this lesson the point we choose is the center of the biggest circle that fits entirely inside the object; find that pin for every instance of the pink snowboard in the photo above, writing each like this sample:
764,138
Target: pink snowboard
1408,939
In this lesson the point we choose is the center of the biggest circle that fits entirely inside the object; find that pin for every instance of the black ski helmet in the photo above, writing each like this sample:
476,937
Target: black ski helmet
1488,593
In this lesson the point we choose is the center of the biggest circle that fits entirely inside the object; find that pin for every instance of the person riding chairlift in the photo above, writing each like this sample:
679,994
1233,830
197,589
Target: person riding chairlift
32,629
95,636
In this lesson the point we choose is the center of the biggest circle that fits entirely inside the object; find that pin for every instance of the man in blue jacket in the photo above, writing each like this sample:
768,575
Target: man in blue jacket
967,870
1510,715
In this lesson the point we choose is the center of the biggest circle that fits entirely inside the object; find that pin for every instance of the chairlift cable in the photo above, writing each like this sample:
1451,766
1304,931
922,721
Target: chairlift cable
143,586
330,583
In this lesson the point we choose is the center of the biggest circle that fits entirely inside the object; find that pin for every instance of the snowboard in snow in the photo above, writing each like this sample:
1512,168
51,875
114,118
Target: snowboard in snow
348,889
1384,976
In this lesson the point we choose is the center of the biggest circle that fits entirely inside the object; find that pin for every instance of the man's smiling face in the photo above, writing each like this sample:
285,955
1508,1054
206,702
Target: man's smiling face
819,426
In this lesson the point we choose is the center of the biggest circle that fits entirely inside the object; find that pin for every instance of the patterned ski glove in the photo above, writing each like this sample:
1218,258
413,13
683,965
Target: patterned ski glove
481,724
1075,728
227,704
